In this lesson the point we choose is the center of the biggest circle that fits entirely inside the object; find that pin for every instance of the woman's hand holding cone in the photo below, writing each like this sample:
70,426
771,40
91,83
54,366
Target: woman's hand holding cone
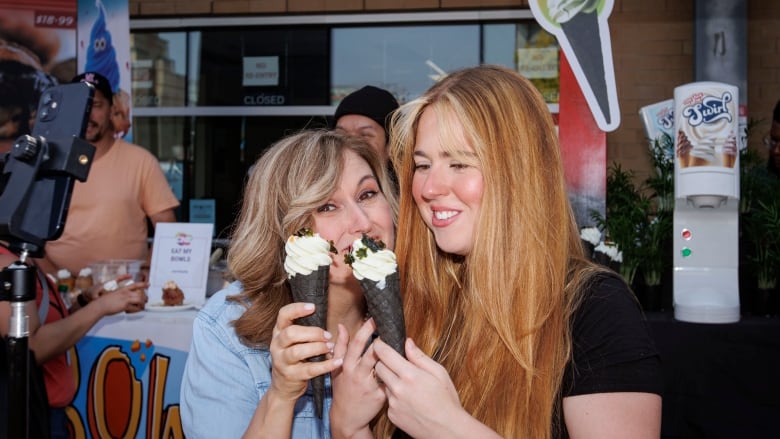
292,345
420,394
357,396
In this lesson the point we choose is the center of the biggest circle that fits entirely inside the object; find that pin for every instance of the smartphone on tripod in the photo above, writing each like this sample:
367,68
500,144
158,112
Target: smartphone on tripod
60,123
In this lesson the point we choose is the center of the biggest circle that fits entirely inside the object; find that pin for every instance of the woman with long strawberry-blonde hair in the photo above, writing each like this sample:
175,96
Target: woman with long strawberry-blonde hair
512,332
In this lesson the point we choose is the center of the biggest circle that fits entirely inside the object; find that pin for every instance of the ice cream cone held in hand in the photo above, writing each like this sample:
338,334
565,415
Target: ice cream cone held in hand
375,268
307,263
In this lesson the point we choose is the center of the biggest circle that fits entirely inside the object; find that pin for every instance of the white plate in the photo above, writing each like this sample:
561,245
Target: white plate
160,307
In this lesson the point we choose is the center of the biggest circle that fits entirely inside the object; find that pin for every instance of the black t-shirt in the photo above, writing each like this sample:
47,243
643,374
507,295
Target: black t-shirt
612,347
612,350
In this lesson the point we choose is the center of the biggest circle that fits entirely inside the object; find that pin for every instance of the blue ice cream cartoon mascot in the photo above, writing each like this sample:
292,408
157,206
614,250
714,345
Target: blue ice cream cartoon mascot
101,58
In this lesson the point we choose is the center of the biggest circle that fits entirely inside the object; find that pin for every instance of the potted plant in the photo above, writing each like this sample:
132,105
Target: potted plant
755,182
759,243
655,236
762,230
626,208
653,241
639,221
662,181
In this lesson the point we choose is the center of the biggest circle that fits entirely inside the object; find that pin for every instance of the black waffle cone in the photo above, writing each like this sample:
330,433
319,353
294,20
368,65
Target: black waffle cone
386,308
313,288
318,388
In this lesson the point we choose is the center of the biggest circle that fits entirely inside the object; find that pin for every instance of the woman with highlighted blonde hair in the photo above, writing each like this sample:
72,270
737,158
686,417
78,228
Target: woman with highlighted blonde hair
247,373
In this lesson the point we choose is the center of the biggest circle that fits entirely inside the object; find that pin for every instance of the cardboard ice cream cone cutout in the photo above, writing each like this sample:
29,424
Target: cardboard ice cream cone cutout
583,34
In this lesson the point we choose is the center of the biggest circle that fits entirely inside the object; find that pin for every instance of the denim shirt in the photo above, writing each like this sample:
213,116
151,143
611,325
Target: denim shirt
224,379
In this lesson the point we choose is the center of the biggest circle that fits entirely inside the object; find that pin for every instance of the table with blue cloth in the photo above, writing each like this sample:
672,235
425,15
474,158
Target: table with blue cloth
128,370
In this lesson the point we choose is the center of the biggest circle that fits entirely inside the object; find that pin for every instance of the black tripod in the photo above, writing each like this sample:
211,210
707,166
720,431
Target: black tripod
18,288
35,187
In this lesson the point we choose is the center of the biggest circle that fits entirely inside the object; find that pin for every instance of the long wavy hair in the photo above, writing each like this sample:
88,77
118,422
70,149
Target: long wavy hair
291,179
497,319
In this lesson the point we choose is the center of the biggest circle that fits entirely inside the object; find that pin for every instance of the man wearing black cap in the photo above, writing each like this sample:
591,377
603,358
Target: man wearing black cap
98,125
365,113
108,213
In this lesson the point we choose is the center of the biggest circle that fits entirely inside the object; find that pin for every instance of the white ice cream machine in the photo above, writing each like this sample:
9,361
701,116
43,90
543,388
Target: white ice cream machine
706,211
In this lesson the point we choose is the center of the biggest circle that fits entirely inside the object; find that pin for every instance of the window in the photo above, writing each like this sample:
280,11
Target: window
264,67
406,60
211,94
159,64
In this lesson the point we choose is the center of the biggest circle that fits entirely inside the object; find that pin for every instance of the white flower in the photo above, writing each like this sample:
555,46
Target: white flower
610,250
591,235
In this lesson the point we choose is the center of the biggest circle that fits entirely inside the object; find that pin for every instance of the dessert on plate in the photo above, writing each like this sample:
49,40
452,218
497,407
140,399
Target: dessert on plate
172,295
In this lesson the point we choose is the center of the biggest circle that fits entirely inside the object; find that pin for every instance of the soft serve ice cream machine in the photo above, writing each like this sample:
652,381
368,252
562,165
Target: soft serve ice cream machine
706,211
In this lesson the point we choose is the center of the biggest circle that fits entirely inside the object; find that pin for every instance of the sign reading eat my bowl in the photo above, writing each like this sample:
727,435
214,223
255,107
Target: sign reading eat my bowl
180,254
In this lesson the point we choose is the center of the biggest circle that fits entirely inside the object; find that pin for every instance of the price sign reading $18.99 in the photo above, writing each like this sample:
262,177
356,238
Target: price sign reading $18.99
55,19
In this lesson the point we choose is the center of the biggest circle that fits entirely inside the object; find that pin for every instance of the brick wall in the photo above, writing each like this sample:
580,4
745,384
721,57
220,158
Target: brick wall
652,44
763,65
652,49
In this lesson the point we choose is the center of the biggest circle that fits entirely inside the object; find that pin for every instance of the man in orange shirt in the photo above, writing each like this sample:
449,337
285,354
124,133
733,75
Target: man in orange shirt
108,213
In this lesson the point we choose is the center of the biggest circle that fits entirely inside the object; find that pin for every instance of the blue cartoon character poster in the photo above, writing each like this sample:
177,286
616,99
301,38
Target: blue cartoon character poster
104,47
